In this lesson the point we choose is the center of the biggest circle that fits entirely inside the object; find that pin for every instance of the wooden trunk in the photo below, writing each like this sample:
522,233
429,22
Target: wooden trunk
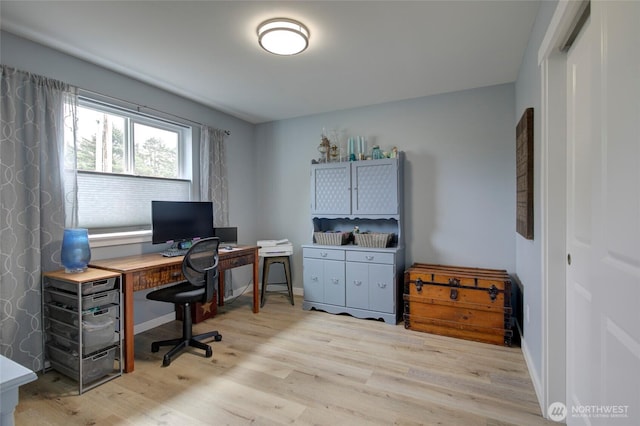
463,302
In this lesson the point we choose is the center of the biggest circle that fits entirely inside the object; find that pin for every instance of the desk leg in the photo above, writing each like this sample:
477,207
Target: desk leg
256,261
221,288
127,282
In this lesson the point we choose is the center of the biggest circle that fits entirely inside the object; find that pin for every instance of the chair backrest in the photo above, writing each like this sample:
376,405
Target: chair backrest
200,265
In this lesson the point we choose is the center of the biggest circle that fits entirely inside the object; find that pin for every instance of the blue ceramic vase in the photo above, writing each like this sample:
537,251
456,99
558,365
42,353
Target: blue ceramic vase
75,253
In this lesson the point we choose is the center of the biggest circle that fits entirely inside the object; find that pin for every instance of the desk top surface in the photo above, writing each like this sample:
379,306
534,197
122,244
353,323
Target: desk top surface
153,260
90,274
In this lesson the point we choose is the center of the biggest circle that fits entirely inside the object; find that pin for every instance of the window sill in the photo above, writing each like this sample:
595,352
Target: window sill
119,238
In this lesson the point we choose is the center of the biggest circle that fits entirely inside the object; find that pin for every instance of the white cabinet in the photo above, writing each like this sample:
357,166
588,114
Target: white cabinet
355,188
324,276
331,188
374,187
369,284
364,282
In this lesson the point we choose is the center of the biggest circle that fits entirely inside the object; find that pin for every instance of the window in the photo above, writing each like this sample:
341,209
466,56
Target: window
124,160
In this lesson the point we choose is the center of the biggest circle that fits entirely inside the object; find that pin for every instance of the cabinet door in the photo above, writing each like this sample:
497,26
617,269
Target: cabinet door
331,188
313,279
375,187
334,291
381,288
357,285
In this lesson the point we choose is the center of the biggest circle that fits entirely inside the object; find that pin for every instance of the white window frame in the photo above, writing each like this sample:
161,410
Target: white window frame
185,168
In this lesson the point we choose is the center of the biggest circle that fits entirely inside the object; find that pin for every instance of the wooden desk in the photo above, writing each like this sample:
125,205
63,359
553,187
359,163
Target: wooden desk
151,270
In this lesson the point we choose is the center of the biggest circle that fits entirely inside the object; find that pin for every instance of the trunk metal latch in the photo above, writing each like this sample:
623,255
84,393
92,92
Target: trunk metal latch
419,285
454,282
493,292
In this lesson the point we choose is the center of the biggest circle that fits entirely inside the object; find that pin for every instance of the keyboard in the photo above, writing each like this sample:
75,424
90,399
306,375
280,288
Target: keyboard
173,252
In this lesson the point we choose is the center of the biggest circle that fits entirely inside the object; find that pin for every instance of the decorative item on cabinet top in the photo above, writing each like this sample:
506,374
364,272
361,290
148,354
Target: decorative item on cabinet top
331,150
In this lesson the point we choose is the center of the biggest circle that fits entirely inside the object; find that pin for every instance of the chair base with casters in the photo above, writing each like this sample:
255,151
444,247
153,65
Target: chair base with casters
189,294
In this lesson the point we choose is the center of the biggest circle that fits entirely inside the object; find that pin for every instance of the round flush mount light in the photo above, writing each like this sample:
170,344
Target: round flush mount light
283,36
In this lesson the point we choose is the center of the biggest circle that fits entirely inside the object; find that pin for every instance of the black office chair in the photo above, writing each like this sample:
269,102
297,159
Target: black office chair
200,268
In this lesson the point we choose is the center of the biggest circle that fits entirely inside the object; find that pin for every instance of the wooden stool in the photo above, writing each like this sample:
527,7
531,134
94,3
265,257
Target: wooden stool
284,260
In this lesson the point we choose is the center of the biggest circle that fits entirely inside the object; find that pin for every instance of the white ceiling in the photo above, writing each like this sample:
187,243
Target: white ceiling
361,52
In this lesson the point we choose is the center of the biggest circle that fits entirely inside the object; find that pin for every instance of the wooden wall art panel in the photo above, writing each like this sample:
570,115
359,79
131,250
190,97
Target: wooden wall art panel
524,171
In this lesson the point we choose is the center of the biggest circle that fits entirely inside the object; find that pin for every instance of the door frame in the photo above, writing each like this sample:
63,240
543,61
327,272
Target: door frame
553,200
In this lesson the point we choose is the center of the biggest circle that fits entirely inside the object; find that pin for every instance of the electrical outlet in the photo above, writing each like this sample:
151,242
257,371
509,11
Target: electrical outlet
526,313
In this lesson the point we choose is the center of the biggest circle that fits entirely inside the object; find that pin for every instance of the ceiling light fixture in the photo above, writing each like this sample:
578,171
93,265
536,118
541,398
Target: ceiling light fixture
282,36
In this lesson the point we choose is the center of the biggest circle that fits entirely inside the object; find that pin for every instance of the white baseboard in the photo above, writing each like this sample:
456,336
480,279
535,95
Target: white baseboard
297,291
535,377
148,325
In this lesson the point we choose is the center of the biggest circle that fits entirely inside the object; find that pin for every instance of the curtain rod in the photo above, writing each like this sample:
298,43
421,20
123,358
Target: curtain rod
138,106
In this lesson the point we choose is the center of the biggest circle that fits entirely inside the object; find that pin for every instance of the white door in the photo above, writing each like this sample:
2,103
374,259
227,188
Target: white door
603,223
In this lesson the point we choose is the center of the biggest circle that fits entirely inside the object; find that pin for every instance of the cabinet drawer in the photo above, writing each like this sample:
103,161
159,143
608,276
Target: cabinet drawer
370,257
323,254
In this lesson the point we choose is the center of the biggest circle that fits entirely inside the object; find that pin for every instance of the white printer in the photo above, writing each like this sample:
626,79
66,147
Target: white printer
270,248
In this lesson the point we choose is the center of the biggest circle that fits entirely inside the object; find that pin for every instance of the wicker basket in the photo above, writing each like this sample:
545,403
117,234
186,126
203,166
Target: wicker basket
373,239
331,238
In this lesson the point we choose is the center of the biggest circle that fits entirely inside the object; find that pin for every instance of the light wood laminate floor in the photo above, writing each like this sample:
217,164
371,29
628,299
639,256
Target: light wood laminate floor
289,366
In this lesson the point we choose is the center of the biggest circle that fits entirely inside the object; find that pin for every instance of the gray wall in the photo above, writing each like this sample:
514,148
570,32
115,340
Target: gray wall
28,56
459,174
528,252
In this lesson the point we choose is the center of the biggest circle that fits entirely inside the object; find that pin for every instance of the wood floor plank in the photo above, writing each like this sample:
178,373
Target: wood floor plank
289,366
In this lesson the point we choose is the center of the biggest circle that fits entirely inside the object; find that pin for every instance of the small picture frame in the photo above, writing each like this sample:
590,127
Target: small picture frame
524,175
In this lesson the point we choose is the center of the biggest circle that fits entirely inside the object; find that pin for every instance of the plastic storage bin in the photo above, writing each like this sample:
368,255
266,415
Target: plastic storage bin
89,287
91,316
88,302
95,336
94,367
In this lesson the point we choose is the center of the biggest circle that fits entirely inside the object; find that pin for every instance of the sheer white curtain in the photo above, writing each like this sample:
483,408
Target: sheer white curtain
33,114
213,179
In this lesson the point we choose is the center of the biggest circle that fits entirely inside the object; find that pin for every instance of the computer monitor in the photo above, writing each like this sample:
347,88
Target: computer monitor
180,221
228,235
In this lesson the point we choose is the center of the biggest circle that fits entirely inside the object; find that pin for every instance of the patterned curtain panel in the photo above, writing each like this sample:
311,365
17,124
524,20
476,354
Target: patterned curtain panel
213,173
32,214
213,180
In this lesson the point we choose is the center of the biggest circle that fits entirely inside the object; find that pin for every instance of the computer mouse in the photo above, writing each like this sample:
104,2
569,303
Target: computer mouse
228,248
